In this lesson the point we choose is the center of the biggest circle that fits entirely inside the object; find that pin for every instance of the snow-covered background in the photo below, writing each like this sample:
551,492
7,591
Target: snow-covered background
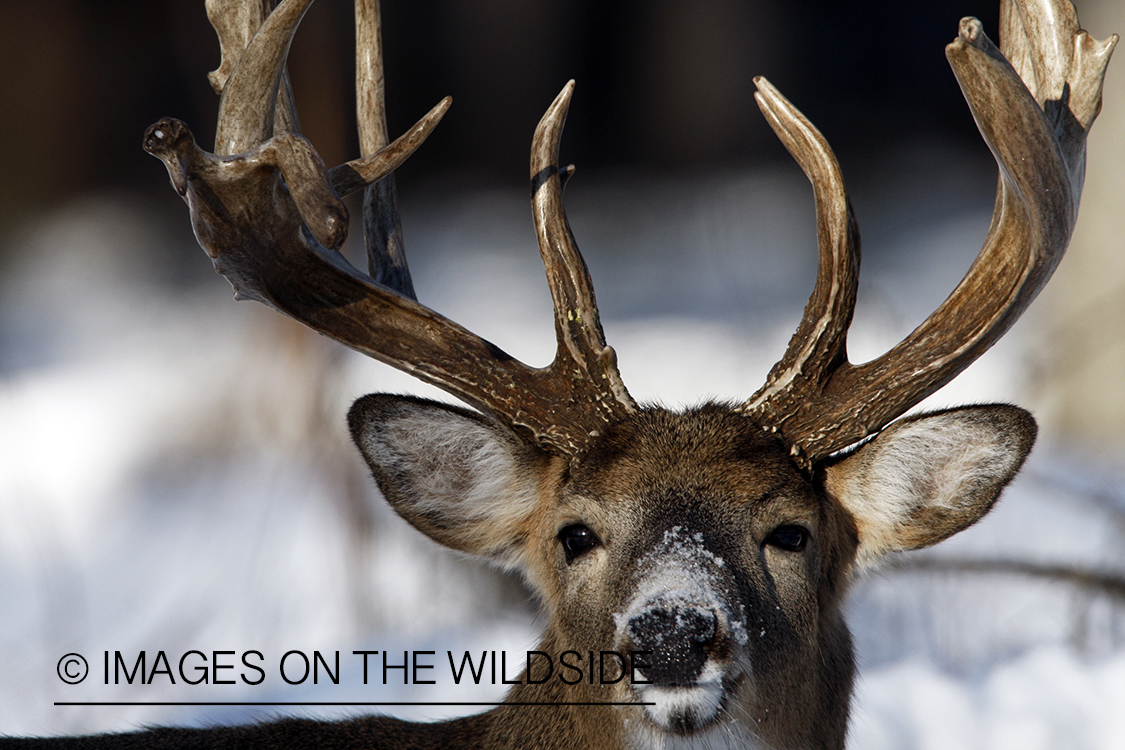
175,473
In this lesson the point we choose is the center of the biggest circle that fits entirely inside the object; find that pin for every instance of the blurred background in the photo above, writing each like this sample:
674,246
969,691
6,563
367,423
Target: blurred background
174,468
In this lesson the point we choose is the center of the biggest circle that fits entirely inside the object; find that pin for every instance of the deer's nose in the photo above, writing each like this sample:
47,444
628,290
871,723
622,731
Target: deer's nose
677,638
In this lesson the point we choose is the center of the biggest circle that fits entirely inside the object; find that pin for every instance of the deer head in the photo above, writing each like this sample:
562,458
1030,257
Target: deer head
717,543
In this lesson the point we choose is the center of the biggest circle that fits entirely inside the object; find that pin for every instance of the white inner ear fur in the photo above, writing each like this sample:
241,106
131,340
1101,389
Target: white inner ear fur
455,471
958,460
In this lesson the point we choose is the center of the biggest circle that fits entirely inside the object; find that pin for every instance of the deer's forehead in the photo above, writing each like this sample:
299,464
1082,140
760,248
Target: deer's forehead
705,456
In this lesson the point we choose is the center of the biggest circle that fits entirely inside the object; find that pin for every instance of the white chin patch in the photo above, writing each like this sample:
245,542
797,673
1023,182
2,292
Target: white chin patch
682,709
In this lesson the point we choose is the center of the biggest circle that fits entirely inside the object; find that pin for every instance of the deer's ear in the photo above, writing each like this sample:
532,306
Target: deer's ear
927,477
457,477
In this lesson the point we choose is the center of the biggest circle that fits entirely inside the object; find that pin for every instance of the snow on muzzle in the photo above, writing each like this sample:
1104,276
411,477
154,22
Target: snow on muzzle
686,613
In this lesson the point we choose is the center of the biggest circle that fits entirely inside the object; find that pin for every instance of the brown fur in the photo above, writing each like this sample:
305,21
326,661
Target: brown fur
714,472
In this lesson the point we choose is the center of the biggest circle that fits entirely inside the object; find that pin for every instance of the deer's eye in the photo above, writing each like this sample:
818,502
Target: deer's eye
577,539
789,538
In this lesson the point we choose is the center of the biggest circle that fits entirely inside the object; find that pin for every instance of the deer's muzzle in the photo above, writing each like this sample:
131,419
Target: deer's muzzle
685,613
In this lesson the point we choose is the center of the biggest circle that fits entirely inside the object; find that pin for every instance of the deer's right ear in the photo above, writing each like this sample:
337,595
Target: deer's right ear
456,476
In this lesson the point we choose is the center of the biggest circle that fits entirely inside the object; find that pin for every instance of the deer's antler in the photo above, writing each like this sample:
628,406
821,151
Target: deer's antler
268,212
1034,113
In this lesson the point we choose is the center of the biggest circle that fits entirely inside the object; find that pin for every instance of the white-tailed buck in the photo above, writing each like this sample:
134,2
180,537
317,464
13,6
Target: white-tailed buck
718,543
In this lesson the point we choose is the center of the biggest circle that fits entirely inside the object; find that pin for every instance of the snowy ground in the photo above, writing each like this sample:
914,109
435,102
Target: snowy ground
175,475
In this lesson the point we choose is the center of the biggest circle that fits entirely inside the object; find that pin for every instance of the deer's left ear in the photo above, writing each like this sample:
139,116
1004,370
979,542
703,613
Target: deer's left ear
927,477
455,475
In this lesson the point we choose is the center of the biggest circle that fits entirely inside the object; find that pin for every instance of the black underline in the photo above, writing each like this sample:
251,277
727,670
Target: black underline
331,703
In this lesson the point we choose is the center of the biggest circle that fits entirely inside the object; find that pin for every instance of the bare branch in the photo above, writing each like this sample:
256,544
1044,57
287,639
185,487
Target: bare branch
1110,583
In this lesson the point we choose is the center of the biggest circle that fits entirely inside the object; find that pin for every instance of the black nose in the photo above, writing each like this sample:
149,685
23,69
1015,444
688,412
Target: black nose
677,638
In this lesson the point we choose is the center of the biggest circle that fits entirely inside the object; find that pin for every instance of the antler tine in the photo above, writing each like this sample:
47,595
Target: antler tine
235,22
1062,66
578,328
249,103
1039,147
358,174
386,251
819,345
371,110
